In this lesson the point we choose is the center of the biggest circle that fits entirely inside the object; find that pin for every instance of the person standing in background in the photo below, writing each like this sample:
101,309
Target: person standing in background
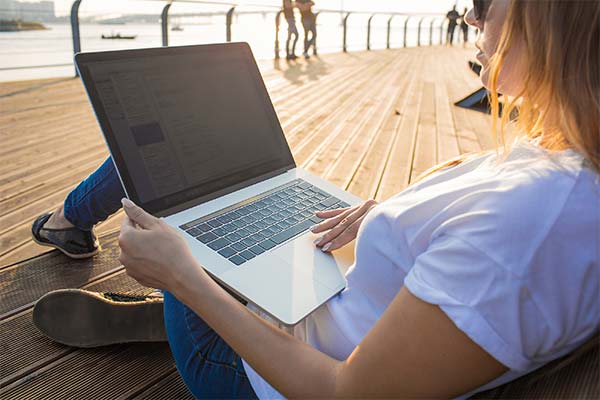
288,12
309,23
464,27
452,18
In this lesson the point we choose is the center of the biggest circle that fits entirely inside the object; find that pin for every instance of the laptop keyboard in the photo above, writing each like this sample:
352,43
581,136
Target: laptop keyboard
252,227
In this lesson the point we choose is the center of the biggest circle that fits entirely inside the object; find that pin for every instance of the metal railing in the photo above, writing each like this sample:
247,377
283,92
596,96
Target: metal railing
233,9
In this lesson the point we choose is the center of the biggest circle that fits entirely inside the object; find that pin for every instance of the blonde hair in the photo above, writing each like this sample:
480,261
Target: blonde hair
560,94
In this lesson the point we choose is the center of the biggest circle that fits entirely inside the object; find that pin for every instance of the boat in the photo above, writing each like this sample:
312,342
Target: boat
119,36
177,28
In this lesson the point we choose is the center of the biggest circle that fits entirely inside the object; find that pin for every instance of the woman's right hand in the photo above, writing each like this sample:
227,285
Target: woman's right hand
342,225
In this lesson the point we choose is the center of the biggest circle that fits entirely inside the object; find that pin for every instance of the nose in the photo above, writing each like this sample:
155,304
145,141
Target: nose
471,20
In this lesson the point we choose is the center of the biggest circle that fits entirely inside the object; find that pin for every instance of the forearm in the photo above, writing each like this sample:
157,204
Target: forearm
293,367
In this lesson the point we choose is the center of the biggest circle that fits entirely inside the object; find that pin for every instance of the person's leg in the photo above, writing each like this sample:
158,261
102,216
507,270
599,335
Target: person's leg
70,227
208,366
306,26
95,198
313,39
295,33
288,41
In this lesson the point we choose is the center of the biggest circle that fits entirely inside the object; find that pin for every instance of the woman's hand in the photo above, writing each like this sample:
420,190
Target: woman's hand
153,253
342,224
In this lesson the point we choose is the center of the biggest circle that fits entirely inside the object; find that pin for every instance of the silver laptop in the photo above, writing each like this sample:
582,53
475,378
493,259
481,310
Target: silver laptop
196,141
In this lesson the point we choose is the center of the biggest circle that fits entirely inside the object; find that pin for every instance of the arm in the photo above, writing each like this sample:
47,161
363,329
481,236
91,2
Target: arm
413,350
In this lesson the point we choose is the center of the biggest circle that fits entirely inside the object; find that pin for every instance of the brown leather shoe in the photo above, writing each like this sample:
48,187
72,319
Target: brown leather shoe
81,318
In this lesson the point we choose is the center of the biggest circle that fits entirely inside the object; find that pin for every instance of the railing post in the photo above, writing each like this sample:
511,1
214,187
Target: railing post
345,39
75,29
405,30
419,32
277,25
389,30
431,32
369,32
442,32
164,22
228,21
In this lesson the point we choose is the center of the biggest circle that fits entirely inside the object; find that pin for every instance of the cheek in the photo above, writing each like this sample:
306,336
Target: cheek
510,79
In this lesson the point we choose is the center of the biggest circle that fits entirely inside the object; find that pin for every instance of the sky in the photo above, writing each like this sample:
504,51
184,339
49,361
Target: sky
150,6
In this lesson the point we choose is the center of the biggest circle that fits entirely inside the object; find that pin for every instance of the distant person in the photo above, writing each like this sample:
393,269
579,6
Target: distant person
288,12
464,27
452,18
309,23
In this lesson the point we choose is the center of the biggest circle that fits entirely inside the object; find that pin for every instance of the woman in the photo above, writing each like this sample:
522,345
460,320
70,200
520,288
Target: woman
484,270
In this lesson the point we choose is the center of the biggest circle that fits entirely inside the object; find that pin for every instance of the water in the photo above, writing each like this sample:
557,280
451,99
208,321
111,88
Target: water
55,46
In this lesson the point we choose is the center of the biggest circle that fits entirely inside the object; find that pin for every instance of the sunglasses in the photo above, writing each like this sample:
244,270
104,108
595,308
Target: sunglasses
480,8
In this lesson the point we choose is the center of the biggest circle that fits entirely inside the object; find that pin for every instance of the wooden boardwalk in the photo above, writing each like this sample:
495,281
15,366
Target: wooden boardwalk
369,122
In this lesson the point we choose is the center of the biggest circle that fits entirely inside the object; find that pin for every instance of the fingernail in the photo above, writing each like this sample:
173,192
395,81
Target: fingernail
318,240
312,228
326,247
126,202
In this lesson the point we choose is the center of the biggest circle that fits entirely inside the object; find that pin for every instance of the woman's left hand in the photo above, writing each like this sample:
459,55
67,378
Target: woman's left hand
153,253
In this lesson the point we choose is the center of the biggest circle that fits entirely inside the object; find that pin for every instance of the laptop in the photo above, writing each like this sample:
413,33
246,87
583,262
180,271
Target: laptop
196,141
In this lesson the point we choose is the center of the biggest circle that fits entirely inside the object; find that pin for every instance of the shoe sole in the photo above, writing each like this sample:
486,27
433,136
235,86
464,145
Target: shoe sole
79,318
75,256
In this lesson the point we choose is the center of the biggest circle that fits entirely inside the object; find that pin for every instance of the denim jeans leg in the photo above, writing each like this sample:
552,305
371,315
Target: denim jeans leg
208,366
95,198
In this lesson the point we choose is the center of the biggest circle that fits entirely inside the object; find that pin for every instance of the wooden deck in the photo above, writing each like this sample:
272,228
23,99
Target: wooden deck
369,122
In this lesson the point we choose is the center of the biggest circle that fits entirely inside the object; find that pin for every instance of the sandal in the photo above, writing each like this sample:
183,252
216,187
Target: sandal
73,242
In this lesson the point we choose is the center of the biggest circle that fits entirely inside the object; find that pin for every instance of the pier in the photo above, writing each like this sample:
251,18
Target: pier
369,122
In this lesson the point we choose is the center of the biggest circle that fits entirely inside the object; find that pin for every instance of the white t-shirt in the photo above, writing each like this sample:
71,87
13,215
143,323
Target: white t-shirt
509,251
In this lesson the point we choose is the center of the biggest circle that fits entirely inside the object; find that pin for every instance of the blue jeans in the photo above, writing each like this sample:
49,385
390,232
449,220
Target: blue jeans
208,366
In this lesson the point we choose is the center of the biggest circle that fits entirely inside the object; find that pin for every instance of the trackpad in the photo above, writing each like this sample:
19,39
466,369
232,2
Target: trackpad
325,268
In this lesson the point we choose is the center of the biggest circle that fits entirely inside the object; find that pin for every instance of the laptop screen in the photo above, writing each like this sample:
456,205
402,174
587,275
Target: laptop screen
183,123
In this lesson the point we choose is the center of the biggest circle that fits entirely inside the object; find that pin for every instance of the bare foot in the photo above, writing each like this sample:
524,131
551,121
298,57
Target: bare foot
58,220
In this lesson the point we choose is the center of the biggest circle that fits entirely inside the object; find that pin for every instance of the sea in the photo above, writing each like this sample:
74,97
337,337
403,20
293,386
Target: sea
49,53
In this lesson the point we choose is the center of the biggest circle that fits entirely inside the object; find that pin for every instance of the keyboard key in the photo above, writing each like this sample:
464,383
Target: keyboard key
203,227
257,250
248,219
238,223
258,236
227,252
218,244
207,237
283,225
244,211
250,241
214,223
242,232
252,229
252,207
237,260
239,246
269,220
265,212
329,201
291,232
233,237
274,229
194,232
224,219
220,232
229,228
261,224
304,185
247,254
267,244
284,214
234,215
316,219
343,204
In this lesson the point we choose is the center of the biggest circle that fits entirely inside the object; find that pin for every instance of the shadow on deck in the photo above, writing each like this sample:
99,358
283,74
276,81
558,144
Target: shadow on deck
369,122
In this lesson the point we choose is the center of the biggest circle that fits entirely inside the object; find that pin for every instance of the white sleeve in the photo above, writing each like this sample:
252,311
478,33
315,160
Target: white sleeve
483,299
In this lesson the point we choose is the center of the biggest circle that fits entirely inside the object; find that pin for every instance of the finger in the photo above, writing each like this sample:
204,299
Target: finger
348,235
345,222
331,213
138,215
331,222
